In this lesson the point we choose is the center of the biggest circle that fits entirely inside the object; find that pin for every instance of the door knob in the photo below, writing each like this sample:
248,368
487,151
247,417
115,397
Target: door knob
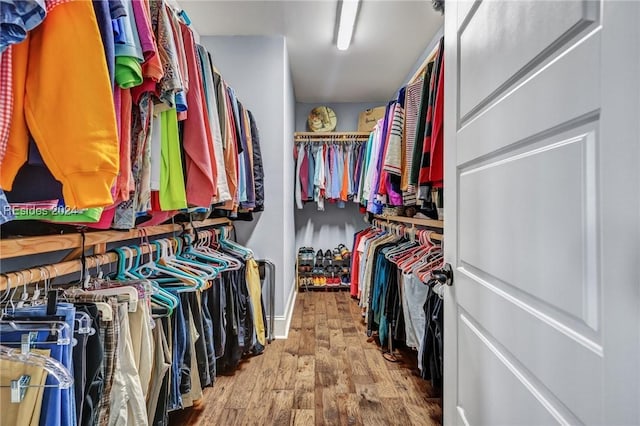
444,275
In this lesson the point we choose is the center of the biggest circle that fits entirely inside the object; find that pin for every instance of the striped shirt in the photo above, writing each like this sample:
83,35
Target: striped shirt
393,156
412,109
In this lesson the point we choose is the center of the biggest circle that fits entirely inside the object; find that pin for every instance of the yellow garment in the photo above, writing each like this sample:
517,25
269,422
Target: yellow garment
255,292
62,77
26,412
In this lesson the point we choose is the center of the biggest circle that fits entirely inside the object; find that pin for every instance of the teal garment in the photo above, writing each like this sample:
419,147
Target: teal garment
60,216
173,195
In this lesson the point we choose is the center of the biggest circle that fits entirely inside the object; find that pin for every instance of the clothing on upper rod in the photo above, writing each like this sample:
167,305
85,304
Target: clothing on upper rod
326,171
179,314
157,104
401,163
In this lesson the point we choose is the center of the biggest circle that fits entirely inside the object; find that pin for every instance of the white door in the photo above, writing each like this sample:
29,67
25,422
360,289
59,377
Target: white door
542,213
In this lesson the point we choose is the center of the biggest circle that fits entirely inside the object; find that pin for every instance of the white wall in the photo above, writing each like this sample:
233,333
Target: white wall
432,44
289,119
254,66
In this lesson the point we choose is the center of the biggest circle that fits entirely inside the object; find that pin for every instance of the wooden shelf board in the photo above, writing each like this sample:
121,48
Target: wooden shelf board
330,134
14,247
413,221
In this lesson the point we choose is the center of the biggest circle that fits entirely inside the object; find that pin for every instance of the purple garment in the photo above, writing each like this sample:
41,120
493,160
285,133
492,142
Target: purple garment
393,191
312,172
373,205
145,33
304,174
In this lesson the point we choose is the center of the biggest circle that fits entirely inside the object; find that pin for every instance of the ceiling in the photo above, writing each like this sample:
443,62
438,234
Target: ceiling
389,37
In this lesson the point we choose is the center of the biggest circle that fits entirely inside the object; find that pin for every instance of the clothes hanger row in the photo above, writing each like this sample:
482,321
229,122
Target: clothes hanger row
180,264
410,232
329,141
419,255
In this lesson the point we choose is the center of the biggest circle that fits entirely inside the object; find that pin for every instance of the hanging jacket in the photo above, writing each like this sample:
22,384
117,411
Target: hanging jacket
258,169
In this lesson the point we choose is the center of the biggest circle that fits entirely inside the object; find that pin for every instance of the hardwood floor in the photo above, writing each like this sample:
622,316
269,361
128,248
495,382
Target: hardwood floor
325,373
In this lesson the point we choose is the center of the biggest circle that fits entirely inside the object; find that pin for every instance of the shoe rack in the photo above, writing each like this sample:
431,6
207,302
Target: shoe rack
323,269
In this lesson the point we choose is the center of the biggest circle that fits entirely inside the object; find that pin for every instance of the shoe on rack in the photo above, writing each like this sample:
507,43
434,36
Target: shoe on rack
327,258
337,256
344,251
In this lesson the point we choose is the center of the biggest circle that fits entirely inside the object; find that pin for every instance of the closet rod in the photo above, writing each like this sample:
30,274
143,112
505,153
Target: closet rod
40,273
430,223
14,247
413,221
330,134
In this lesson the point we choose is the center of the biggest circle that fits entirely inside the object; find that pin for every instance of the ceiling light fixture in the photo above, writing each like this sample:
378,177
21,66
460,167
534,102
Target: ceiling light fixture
348,13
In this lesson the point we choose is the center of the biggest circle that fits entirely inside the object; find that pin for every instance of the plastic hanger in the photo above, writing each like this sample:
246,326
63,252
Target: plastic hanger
204,253
159,295
168,260
176,259
59,328
53,367
153,268
231,262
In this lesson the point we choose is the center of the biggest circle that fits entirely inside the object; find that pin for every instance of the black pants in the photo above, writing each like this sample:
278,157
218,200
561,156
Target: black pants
88,357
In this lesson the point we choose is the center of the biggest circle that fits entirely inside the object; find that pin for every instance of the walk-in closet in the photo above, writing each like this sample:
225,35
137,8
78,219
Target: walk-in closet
319,212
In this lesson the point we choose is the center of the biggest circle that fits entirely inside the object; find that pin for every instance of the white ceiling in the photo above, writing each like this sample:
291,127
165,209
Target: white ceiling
390,36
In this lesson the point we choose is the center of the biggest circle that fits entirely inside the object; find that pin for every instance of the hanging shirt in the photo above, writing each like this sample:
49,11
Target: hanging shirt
156,147
129,56
18,18
181,95
425,165
393,157
171,81
172,188
105,14
436,173
319,180
412,110
78,145
258,168
304,174
231,152
338,170
6,99
300,152
197,138
248,155
222,187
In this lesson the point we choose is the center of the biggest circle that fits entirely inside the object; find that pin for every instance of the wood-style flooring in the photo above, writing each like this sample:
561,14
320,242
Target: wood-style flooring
325,373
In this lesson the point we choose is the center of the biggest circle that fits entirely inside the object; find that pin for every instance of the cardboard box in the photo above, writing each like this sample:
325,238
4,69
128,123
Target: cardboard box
368,118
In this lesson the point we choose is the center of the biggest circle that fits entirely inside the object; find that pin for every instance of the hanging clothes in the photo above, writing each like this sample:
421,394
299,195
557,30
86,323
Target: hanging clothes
140,162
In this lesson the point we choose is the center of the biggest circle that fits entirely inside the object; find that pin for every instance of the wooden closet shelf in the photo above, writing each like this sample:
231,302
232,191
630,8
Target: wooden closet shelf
40,273
14,247
320,135
413,221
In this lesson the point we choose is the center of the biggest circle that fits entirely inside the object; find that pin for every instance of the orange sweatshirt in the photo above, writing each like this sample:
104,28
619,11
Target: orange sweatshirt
62,96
